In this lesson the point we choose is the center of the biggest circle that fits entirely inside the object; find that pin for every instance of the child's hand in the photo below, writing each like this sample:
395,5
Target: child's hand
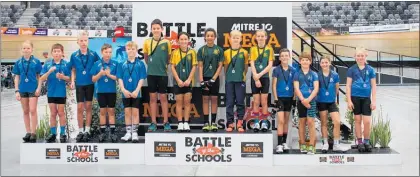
258,84
127,94
134,94
373,105
187,83
17,95
350,105
180,83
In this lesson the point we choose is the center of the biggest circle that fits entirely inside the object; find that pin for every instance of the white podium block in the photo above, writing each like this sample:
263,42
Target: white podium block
212,148
81,153
351,157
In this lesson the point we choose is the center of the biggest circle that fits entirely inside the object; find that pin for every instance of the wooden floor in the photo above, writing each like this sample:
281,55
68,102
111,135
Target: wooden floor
405,43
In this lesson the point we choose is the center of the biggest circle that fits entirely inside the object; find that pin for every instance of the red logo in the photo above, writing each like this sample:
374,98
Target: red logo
174,40
82,154
208,150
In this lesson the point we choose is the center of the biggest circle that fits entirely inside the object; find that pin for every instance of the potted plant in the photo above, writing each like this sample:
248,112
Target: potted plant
43,128
380,131
330,127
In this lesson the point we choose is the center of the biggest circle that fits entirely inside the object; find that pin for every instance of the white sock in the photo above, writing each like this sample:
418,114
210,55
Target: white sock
336,142
81,130
87,129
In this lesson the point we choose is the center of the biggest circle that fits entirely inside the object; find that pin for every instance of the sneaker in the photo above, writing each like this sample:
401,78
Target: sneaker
135,137
206,127
113,138
361,147
368,147
63,138
27,137
303,149
102,137
126,137
51,138
186,127
325,148
214,127
285,147
311,150
86,137
167,127
180,127
279,149
33,138
79,137
339,148
264,126
256,126
152,127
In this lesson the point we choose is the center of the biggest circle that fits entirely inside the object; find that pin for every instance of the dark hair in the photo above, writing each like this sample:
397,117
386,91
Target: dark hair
183,33
209,30
106,46
157,22
57,46
284,50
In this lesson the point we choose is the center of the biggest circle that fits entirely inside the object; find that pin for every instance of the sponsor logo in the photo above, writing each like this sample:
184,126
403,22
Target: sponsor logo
165,149
336,159
252,149
322,159
82,153
112,154
350,159
208,149
52,153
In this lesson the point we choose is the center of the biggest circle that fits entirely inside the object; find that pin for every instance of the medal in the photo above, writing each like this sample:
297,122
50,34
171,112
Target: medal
233,71
129,80
327,93
310,91
183,70
151,46
234,59
84,72
287,88
150,59
261,66
84,63
210,67
364,85
26,80
106,79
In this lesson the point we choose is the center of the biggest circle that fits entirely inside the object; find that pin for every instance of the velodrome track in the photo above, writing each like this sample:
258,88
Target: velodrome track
401,103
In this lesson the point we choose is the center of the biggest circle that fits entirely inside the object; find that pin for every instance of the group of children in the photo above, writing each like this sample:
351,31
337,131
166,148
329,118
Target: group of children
313,91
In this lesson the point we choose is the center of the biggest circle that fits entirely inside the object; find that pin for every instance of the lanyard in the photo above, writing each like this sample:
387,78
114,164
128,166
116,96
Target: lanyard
132,68
27,66
205,57
284,77
54,64
305,78
184,62
151,45
87,59
260,58
236,58
328,79
362,74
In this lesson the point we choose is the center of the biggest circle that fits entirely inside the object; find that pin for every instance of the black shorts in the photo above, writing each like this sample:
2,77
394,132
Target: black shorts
27,94
213,90
265,86
57,100
361,106
107,100
84,93
285,104
131,102
331,107
303,111
181,90
157,84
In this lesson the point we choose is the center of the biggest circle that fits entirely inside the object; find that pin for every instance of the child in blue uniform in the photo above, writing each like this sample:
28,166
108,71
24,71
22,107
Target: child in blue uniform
57,73
131,75
283,97
104,74
306,88
361,97
26,71
326,103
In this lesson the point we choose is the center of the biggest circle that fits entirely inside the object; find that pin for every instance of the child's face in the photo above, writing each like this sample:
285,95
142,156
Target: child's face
236,39
261,37
284,57
57,54
183,41
131,51
360,57
210,36
26,49
325,64
305,62
107,53
156,30
83,42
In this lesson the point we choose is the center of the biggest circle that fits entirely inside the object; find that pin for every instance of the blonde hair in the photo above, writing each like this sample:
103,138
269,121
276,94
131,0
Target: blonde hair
131,44
106,46
261,30
82,34
326,57
235,33
361,50
28,42
305,55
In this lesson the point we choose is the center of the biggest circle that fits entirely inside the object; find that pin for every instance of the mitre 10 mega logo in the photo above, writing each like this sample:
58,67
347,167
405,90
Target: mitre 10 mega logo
82,153
276,28
208,149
